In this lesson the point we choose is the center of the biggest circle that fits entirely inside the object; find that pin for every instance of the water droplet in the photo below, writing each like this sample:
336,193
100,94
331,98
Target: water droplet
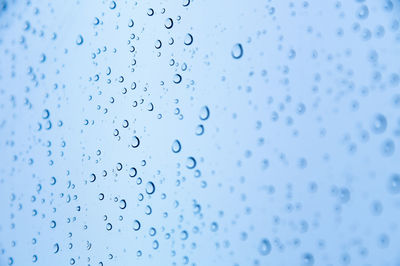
150,12
388,147
56,248
214,227
155,244
79,40
176,146
132,172
136,225
184,235
148,210
363,12
108,226
177,79
52,224
237,51
307,259
92,178
158,44
188,39
204,113
150,188
122,204
394,184
199,130
113,5
190,163
344,195
264,247
135,142
152,231
379,124
169,23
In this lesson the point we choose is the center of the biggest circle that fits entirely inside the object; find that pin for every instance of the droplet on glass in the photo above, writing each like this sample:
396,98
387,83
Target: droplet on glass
136,225
176,146
204,113
237,51
188,39
79,40
150,188
264,247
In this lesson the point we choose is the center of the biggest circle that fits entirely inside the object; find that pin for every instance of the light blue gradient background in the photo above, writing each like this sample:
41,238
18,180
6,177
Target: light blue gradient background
314,184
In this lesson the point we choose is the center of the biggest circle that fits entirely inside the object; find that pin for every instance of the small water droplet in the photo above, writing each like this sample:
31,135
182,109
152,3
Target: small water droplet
204,113
136,225
150,188
79,40
264,247
237,51
188,39
176,146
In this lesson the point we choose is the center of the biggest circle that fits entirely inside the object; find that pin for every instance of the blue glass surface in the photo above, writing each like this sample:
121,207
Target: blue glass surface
200,132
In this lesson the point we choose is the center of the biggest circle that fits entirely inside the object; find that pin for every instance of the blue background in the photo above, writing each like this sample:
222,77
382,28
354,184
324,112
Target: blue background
286,114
